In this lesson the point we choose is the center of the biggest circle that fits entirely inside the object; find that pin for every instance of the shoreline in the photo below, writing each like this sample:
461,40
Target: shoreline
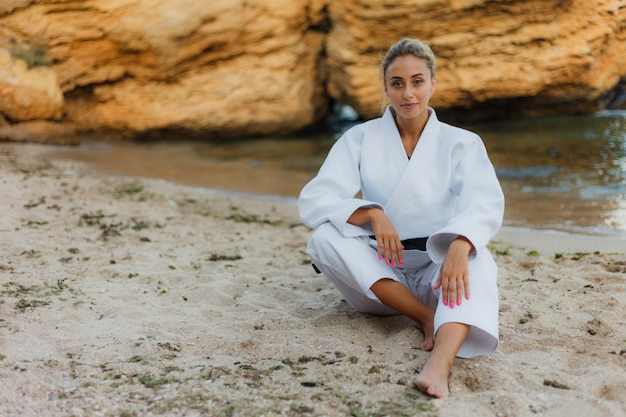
283,171
560,241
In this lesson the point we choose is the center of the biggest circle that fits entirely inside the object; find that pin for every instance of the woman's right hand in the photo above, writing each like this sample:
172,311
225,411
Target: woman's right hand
389,245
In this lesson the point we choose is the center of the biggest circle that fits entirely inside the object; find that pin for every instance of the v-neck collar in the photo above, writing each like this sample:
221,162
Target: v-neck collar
393,135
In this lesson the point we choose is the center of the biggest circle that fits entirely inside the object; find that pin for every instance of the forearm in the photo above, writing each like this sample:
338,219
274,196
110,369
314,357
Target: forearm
364,215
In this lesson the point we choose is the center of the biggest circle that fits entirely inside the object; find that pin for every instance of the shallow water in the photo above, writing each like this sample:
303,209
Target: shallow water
565,174
562,173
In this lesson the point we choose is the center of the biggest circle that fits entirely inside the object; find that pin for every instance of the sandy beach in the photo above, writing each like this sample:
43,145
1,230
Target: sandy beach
124,296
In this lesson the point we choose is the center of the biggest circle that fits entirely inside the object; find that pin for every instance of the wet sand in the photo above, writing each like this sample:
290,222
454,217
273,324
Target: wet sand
281,167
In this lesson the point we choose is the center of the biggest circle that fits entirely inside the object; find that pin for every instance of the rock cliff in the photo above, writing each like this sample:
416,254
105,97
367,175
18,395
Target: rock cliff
495,56
235,68
149,67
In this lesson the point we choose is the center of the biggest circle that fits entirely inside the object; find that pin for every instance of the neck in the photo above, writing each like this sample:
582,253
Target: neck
411,130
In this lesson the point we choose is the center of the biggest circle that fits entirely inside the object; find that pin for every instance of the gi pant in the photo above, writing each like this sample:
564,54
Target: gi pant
352,265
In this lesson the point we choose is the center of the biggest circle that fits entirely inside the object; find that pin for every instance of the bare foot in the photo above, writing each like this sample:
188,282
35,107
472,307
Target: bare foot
433,379
432,383
428,344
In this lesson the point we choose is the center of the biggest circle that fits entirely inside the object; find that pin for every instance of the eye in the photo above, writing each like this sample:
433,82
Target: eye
396,84
418,81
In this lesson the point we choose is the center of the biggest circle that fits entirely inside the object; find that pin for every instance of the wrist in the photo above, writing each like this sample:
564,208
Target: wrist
373,212
462,240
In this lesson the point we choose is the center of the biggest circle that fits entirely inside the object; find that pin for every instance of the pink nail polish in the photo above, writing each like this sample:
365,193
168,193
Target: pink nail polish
451,304
380,258
467,296
401,261
393,265
458,302
445,302
387,262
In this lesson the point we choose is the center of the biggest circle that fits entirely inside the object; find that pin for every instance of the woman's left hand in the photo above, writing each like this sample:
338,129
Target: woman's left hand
454,275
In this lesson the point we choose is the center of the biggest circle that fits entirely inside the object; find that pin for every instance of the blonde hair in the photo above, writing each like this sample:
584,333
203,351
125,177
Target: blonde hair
403,47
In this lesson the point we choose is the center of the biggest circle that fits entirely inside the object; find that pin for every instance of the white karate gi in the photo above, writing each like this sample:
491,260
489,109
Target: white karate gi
447,188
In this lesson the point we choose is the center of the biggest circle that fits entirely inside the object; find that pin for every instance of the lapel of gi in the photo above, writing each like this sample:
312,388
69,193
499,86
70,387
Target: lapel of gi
417,178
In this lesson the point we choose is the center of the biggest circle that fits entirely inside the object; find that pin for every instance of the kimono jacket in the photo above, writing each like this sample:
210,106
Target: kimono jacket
447,188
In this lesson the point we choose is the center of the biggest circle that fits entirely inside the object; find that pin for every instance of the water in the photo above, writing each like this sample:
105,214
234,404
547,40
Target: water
563,174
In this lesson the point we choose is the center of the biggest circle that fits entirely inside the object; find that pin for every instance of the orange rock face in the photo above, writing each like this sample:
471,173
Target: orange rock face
220,68
28,93
235,68
494,57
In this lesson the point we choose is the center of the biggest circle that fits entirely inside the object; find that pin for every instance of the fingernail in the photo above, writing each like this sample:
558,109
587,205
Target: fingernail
393,265
467,296
458,302
380,258
451,304
401,261
387,262
445,302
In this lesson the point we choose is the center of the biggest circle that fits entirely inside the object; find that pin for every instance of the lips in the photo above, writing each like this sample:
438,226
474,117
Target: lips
409,106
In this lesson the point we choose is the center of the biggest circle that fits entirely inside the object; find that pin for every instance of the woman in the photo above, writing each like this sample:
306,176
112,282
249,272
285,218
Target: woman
415,242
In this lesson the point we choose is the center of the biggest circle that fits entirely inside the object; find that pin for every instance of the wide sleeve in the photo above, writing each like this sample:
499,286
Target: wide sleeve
479,207
330,195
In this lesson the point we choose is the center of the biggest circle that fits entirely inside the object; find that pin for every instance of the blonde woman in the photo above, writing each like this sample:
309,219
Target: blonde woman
414,243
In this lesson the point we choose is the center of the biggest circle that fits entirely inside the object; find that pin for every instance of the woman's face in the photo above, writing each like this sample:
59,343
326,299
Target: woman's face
409,86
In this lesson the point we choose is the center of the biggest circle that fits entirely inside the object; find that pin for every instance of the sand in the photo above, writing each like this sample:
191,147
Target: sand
124,296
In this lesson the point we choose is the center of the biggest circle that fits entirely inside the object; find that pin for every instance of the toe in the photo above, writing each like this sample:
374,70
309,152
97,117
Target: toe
428,344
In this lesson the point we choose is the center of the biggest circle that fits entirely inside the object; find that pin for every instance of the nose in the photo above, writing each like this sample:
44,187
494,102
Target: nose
408,92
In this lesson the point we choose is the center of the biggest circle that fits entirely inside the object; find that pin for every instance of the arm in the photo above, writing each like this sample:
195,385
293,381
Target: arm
478,215
479,206
330,196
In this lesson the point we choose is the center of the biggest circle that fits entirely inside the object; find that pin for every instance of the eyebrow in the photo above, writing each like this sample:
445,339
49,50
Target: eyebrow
412,76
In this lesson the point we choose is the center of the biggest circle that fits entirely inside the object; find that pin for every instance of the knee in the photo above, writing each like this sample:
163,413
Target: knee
327,241
324,235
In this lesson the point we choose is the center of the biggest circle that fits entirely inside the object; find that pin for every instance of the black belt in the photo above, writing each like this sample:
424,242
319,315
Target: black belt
418,243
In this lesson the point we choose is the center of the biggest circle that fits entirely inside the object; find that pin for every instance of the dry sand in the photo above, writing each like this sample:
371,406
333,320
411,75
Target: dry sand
132,297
